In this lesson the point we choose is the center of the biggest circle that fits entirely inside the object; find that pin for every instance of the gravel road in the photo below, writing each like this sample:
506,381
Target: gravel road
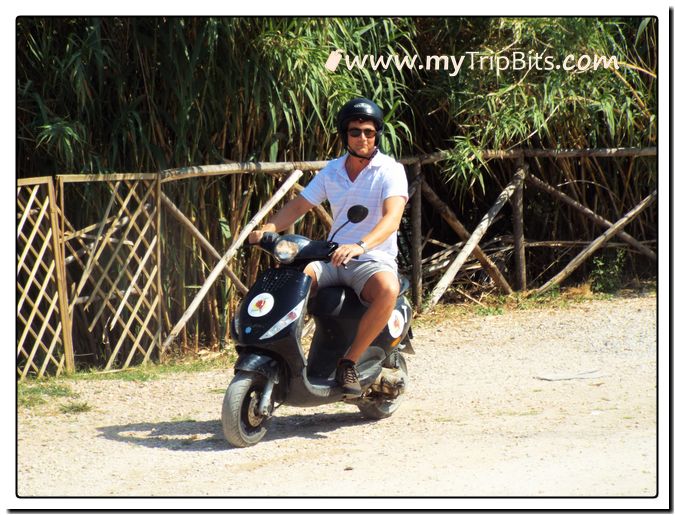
528,403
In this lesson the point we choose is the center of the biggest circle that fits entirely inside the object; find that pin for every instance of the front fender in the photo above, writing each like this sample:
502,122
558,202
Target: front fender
258,363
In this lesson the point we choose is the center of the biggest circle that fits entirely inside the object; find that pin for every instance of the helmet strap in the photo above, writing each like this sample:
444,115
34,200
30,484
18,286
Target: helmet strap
351,152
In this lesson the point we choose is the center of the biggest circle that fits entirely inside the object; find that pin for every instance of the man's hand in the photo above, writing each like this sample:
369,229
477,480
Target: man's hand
283,219
344,253
255,236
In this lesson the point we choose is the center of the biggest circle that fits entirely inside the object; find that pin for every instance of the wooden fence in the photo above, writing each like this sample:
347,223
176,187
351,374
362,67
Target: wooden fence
113,269
44,343
99,285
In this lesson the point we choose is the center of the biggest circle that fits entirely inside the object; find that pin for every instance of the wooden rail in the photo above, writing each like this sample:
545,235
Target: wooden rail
107,274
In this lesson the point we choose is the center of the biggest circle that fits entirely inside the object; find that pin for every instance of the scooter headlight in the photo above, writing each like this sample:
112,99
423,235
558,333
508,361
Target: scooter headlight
286,250
287,320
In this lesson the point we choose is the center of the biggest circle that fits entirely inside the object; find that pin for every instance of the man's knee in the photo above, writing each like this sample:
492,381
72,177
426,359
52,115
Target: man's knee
309,270
382,286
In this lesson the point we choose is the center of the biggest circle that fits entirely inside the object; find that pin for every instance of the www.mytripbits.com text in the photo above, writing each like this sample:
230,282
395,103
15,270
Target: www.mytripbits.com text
473,61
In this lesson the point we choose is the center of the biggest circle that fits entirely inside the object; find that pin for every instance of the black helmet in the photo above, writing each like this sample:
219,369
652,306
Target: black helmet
360,109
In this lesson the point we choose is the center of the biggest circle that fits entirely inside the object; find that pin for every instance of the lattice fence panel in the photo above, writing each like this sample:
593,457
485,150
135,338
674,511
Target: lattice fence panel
113,284
42,323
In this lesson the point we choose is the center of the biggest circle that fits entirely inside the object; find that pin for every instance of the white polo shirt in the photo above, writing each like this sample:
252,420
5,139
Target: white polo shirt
381,179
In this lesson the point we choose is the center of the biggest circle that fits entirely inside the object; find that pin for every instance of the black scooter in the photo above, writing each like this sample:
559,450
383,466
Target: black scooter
272,369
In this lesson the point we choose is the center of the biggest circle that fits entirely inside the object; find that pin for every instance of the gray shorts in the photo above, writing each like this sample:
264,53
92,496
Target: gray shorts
355,275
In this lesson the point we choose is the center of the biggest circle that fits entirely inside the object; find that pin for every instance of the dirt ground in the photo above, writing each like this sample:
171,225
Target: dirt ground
528,403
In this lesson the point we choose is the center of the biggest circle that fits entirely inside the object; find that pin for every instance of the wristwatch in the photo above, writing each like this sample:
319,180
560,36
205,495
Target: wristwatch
363,245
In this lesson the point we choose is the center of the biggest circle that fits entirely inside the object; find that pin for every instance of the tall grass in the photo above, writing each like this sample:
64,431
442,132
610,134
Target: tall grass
552,109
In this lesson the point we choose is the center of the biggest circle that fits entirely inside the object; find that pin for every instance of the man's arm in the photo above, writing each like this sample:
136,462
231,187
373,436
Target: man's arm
283,219
392,212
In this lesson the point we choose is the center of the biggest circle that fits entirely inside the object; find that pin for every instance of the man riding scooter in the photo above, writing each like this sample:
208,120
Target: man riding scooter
366,257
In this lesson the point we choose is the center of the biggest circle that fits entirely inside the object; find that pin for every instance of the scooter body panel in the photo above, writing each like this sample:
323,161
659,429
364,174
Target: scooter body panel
276,292
336,312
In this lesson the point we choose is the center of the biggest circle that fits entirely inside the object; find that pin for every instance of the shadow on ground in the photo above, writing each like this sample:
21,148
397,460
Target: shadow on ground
191,435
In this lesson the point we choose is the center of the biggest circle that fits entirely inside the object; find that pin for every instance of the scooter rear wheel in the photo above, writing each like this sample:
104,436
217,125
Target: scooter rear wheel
242,425
377,408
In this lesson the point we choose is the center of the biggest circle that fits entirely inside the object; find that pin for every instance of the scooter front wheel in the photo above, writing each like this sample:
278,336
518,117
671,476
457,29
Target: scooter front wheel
243,426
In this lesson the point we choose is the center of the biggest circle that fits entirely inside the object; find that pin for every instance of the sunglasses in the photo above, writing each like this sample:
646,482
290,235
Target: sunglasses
368,133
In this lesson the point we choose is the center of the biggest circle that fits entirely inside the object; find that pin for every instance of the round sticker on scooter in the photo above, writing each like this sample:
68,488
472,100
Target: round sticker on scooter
396,323
261,305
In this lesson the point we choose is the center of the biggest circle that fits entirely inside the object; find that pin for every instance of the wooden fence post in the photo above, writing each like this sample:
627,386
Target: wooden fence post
211,279
590,214
452,220
472,242
205,244
158,232
62,290
519,232
597,243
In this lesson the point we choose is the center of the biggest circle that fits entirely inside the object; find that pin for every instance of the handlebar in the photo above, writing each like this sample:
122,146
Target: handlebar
267,239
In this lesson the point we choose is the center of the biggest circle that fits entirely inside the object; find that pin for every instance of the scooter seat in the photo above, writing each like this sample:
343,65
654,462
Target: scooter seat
342,301
336,301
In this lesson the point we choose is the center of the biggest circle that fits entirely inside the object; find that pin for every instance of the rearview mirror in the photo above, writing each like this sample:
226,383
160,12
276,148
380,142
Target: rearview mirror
357,213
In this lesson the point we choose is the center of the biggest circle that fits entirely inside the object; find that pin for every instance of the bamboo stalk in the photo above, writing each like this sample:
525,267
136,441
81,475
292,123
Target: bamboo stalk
442,254
294,177
206,245
563,243
416,229
597,243
106,177
436,242
452,220
232,168
473,240
590,214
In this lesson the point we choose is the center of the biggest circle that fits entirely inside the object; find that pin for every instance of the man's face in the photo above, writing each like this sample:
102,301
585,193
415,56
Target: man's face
361,144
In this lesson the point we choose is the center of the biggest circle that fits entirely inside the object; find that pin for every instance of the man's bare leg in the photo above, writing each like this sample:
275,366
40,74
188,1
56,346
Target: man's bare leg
309,270
381,291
